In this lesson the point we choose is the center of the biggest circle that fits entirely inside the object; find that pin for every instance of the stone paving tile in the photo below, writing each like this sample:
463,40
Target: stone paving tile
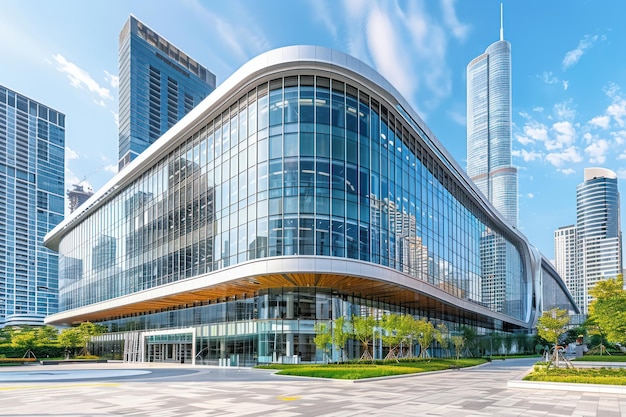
477,392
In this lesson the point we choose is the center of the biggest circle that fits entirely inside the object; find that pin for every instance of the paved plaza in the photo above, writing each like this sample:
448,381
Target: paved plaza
117,389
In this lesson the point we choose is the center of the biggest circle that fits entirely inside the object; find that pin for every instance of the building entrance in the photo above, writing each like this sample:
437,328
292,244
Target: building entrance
169,347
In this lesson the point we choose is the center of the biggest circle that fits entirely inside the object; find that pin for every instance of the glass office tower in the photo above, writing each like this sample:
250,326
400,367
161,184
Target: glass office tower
32,182
303,189
599,234
159,84
489,128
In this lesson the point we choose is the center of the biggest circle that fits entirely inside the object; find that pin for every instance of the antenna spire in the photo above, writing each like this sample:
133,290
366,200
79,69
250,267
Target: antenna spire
501,25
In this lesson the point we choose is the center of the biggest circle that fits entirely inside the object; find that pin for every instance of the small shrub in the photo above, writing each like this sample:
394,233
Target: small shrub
17,360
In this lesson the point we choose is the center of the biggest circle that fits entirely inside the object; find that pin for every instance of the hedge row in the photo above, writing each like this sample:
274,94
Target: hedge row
8,351
17,360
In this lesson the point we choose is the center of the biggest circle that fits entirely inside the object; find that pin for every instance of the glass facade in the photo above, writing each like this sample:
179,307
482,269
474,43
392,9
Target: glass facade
159,84
332,194
489,128
32,182
598,231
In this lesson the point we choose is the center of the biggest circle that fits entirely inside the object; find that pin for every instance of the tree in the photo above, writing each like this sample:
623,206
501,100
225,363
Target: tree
340,336
608,309
469,337
407,332
24,338
443,338
507,342
363,332
552,324
79,337
458,341
392,335
322,338
425,334
70,339
46,335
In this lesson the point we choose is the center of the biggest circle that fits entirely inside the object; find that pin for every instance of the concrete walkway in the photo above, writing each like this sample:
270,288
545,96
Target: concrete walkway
178,390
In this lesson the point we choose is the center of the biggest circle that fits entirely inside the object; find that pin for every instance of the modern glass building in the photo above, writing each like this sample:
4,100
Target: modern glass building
489,162
159,84
599,234
32,183
303,189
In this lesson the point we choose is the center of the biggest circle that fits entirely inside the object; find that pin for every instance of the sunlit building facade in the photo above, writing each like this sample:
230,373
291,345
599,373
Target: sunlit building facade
489,162
32,182
159,84
303,189
566,261
598,230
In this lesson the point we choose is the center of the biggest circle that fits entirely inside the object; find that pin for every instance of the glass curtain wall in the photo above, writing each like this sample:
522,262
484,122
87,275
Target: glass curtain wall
302,165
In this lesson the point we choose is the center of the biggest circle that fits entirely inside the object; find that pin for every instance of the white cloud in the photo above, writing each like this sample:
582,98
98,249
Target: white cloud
619,137
242,36
79,78
110,168
322,14
70,153
531,195
622,156
458,117
621,173
588,137
565,134
387,52
612,90
567,171
396,38
597,151
601,121
617,110
549,78
526,155
563,110
114,80
524,140
536,131
459,30
116,118
567,155
565,85
573,56
538,109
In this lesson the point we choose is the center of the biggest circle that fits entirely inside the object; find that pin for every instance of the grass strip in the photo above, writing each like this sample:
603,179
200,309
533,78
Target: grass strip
604,376
362,370
602,358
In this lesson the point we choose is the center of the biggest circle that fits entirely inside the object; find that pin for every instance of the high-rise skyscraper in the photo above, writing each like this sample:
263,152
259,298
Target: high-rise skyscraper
598,237
566,262
32,183
159,84
78,195
489,127
598,229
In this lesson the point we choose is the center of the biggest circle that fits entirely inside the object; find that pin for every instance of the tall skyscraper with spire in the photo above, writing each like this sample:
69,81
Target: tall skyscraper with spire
489,162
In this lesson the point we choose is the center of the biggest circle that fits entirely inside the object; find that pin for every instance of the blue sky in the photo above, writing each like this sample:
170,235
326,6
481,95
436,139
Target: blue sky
569,73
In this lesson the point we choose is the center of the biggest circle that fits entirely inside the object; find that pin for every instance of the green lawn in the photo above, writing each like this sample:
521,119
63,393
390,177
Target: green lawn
602,358
609,376
361,370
